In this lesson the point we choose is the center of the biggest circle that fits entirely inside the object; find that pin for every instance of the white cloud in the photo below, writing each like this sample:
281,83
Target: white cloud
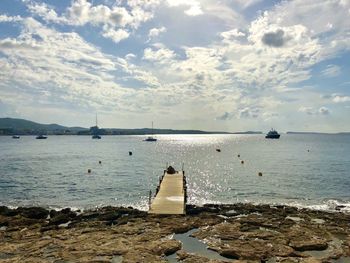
248,113
115,35
339,98
46,65
307,110
160,55
331,71
130,56
232,34
238,69
311,111
83,12
154,32
5,18
194,6
46,12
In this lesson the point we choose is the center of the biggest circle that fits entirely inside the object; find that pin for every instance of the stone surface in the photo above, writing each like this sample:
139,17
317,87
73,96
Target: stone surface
240,232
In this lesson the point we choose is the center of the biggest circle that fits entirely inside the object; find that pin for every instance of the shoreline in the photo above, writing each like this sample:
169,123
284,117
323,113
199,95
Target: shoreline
241,232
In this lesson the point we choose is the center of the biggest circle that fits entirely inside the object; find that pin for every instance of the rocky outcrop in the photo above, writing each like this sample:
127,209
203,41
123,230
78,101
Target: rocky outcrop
241,232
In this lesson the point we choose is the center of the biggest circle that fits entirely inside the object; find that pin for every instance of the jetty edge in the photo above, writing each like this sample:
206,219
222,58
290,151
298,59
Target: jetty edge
171,194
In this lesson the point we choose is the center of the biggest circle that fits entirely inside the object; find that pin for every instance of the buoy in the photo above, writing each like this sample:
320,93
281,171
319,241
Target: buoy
100,162
89,171
130,153
218,150
308,150
260,173
242,162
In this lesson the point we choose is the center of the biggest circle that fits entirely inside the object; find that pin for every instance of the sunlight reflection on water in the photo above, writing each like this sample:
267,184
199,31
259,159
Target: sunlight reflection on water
54,171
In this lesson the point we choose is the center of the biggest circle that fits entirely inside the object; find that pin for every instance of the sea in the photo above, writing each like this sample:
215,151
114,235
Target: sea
303,170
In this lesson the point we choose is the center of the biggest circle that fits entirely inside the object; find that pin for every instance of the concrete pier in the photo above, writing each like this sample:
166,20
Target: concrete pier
170,198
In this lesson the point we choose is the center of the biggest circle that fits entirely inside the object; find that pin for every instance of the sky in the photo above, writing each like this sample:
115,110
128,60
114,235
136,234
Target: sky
216,65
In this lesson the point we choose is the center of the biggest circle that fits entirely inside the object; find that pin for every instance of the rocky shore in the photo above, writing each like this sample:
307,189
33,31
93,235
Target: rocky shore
238,232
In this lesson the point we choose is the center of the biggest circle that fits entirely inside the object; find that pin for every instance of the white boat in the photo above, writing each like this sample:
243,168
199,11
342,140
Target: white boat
150,138
95,135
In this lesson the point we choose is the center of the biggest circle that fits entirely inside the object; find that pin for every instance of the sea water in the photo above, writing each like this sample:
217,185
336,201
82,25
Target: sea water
301,170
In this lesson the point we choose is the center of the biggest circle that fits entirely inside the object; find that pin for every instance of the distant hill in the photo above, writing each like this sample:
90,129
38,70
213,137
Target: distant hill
21,126
315,133
11,126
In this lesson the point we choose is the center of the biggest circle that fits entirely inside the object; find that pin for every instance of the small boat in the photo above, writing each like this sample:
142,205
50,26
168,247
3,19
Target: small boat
272,134
15,137
41,137
96,136
150,138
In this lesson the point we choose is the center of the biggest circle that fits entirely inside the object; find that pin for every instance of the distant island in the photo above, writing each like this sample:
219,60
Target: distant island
315,133
12,126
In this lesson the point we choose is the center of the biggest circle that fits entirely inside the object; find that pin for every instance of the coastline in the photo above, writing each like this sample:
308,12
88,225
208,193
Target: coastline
239,232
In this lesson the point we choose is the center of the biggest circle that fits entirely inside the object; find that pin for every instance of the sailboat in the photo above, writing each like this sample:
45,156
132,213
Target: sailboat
150,138
95,135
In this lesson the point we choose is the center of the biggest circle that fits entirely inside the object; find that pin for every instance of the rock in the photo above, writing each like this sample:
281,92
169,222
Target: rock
261,233
33,212
61,218
185,257
309,244
165,247
5,211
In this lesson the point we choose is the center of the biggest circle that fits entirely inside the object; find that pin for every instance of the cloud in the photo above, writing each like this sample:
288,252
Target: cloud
242,67
324,111
154,32
248,113
340,98
194,6
82,12
307,110
232,34
5,18
11,43
331,71
160,55
275,39
224,117
311,111
46,65
46,12
115,35
130,56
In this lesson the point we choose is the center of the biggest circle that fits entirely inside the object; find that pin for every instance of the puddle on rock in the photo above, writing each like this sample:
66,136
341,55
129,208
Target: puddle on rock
341,260
320,254
193,245
318,220
295,218
117,259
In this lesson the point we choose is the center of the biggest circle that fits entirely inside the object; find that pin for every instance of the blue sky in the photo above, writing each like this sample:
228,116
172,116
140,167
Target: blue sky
229,65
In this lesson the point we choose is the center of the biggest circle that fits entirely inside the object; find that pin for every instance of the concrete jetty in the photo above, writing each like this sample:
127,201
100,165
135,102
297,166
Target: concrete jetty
170,198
